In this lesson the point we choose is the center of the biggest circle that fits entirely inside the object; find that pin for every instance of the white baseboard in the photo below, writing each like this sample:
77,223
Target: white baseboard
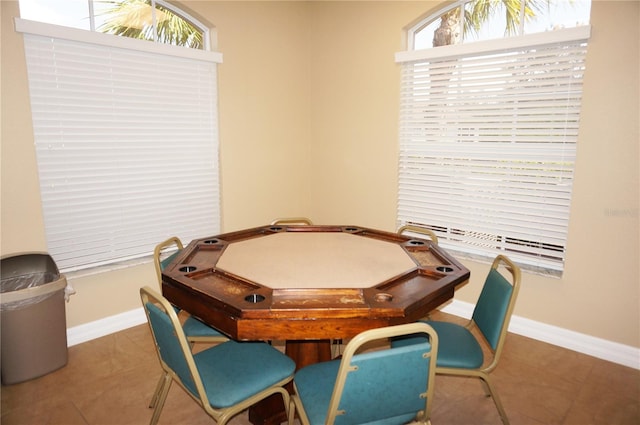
106,326
592,346
586,344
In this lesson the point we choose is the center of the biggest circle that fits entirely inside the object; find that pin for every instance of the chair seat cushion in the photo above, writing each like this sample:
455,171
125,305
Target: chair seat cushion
457,347
233,371
193,327
314,386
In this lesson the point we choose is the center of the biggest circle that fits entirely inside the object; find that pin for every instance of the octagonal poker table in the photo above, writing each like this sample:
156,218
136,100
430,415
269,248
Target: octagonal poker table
308,285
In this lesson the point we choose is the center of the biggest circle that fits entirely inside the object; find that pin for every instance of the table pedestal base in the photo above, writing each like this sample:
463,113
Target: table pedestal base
270,411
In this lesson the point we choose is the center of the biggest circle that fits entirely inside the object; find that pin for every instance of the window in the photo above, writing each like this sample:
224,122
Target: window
488,137
493,19
126,139
153,20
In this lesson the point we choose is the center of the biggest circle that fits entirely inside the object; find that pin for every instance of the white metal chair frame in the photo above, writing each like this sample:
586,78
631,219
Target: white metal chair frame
190,321
483,372
420,230
422,417
221,415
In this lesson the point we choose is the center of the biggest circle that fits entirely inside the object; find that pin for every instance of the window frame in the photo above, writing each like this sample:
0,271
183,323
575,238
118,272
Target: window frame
457,52
118,258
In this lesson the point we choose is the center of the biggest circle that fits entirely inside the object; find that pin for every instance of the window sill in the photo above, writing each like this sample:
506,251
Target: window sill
120,265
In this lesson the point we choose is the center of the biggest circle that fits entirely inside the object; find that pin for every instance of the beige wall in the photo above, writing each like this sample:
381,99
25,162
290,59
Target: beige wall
308,126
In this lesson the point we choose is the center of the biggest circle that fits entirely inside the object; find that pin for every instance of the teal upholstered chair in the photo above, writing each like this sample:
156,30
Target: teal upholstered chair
460,352
383,386
224,379
194,329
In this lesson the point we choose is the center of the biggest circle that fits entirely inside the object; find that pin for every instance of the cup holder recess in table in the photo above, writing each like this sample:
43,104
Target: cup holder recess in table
254,298
415,242
444,269
188,269
383,297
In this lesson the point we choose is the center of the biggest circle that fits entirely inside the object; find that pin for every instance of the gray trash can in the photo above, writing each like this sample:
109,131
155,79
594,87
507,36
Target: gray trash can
33,322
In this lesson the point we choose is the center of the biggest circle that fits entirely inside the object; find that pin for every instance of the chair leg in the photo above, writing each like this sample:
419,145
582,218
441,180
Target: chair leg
485,387
494,395
421,418
156,393
286,400
222,420
162,397
292,412
296,408
336,344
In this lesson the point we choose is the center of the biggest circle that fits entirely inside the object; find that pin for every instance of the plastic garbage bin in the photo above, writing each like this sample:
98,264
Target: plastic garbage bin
33,341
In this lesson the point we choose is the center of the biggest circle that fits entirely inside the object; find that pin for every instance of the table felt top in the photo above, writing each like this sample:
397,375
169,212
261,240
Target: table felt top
292,260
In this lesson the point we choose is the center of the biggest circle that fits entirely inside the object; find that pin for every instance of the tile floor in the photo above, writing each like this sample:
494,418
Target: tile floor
110,381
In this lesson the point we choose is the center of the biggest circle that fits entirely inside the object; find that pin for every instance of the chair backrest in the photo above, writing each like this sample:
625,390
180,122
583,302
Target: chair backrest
389,385
171,343
292,220
493,310
420,230
160,260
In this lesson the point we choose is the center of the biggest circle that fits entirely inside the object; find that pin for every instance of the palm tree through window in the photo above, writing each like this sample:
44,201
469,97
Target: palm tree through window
153,20
467,21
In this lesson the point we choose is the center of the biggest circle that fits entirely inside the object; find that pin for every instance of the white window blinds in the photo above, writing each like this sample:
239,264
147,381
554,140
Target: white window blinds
488,144
126,141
